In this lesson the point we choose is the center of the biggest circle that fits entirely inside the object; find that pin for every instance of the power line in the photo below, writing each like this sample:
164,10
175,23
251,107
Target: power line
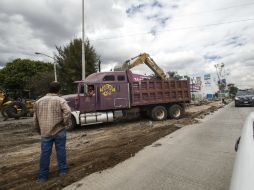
177,29
215,10
209,25
210,11
197,13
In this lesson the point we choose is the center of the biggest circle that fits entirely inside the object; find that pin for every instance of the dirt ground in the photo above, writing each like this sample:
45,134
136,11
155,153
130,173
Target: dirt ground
89,149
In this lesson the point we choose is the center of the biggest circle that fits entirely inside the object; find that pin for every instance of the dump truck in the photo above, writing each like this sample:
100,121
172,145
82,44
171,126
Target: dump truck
110,96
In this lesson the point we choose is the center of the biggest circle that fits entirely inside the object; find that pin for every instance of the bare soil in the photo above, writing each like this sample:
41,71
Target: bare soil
89,149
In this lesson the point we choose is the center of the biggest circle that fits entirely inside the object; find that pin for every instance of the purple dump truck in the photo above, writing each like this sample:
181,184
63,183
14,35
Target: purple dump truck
114,95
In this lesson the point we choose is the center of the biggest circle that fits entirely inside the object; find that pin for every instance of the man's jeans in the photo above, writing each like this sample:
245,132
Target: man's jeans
46,148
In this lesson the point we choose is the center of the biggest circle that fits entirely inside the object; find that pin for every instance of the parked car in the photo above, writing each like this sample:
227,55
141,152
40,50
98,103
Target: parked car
243,170
244,98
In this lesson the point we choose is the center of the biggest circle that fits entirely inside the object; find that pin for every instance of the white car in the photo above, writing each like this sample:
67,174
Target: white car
243,172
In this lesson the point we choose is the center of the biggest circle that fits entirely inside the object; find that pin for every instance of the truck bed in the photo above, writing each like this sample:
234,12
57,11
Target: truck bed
148,92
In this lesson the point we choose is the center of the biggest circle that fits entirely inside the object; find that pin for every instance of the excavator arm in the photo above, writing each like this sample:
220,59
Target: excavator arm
143,58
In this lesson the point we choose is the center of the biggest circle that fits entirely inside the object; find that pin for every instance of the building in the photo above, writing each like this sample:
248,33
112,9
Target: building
203,86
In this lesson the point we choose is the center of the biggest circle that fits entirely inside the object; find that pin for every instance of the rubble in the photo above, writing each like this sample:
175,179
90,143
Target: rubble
89,149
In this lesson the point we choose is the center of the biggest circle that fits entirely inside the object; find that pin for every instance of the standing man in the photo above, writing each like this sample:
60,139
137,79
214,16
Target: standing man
51,117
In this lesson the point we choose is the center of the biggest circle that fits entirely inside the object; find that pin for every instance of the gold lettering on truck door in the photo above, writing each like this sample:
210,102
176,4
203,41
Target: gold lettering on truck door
107,89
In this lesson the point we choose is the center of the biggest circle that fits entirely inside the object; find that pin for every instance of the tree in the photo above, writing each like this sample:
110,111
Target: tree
232,90
69,60
39,83
17,76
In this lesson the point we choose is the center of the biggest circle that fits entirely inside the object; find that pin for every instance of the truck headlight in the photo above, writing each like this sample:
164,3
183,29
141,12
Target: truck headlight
236,98
252,98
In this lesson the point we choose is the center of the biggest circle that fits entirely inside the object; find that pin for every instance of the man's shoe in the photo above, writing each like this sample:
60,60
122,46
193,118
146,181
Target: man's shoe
41,180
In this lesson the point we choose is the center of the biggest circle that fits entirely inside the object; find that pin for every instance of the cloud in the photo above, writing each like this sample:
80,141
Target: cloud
187,36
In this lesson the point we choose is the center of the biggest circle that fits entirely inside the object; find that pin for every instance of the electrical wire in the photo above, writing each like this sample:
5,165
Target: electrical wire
210,11
177,29
215,10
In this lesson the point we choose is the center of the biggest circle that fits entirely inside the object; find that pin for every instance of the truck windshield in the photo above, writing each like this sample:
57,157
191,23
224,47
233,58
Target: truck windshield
245,92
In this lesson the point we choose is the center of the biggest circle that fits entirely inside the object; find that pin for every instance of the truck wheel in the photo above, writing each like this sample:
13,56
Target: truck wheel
73,124
175,111
159,113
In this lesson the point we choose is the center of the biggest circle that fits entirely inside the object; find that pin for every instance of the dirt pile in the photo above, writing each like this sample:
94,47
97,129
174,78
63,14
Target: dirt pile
89,149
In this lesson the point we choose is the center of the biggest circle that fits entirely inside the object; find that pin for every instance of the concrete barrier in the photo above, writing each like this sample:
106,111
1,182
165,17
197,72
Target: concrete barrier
243,171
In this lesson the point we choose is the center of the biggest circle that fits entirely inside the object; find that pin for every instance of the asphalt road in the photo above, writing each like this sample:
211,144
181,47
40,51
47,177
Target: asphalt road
196,157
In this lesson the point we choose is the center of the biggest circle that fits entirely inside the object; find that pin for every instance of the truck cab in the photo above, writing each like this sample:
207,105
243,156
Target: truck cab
101,97
103,91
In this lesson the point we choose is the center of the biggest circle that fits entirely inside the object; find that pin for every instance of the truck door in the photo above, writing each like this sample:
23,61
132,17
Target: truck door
114,92
87,101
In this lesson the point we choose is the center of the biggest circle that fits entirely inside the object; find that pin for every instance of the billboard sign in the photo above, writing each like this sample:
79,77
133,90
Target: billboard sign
207,80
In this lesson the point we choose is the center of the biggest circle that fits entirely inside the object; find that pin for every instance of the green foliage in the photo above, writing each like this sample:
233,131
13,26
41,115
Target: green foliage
232,91
18,75
69,63
32,77
39,83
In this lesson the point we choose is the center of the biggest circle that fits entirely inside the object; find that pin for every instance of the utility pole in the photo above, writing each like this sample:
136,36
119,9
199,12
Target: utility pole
99,65
83,42
220,74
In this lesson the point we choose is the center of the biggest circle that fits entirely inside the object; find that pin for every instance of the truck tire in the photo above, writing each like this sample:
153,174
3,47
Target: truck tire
73,124
175,111
16,110
159,113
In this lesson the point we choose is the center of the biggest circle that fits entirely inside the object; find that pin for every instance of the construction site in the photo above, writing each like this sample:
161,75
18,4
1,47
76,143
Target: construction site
114,115
89,149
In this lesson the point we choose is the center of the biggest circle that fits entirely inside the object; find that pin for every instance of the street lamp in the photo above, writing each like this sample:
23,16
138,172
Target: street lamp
38,53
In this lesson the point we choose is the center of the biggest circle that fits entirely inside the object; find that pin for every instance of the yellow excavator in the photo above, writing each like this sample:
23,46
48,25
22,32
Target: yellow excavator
10,108
143,58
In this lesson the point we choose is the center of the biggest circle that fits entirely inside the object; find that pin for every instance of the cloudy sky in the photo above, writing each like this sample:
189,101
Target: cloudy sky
189,37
